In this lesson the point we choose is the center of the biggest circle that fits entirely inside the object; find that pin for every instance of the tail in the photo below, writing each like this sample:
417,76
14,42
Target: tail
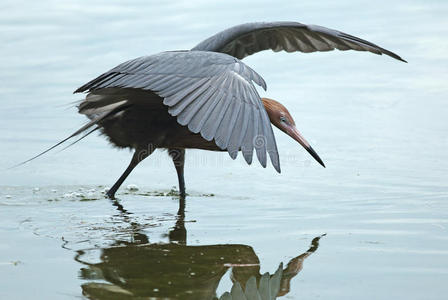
93,123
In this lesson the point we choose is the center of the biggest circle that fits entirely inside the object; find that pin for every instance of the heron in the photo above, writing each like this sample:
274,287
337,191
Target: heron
203,98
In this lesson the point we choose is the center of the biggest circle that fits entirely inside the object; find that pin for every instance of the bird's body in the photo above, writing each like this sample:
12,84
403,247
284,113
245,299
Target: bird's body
204,98
146,124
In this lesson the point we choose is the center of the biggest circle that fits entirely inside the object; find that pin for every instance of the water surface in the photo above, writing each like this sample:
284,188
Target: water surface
379,125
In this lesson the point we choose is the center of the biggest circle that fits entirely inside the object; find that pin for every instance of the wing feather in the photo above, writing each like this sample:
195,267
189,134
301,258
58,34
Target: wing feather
247,146
196,95
112,79
213,94
203,111
223,133
260,141
177,87
239,128
192,109
214,120
179,96
246,39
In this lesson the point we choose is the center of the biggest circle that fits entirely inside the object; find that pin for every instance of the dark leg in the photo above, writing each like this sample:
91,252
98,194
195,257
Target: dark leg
178,156
139,155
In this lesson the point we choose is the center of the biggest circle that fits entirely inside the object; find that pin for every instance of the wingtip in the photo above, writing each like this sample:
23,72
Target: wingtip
393,55
248,155
233,154
399,58
264,86
277,168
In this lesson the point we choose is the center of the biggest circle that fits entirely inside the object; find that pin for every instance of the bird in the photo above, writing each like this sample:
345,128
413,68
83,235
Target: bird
203,98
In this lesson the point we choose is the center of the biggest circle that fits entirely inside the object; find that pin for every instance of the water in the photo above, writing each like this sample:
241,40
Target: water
379,125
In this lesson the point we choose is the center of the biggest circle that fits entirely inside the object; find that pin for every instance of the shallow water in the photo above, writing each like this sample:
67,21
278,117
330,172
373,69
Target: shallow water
379,125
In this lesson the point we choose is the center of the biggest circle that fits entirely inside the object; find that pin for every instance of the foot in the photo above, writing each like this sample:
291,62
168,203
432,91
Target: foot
110,194
182,194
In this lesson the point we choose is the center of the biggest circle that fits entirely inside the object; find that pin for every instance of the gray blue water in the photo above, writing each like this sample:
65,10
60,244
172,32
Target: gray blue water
379,125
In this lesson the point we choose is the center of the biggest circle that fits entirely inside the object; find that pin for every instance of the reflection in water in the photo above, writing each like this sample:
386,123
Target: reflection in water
137,269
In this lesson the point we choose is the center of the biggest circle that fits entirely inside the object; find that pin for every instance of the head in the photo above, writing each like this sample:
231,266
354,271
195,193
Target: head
281,118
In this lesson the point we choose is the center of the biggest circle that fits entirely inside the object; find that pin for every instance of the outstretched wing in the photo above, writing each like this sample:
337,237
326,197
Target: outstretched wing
211,93
246,39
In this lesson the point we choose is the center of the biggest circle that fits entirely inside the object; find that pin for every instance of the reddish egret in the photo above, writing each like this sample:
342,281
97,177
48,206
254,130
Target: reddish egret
203,98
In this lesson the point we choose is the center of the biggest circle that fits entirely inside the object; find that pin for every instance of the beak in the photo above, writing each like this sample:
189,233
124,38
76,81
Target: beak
295,134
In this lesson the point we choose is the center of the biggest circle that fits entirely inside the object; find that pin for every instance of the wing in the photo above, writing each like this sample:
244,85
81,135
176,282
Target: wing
246,39
211,93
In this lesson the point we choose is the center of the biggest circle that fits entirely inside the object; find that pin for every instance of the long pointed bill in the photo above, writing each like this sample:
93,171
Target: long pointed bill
295,134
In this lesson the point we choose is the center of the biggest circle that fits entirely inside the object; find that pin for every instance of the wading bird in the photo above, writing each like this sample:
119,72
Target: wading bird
203,98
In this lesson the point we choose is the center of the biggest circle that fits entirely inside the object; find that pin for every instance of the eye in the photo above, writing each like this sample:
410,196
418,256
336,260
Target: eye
283,119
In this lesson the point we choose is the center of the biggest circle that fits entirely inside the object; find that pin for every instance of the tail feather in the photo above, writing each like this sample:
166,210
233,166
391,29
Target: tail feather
82,137
94,121
70,104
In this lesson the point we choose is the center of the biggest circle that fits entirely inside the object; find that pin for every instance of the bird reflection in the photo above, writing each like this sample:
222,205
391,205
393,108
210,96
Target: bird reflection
139,269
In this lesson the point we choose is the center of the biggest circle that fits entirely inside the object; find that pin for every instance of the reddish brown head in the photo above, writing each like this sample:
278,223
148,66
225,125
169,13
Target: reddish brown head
282,119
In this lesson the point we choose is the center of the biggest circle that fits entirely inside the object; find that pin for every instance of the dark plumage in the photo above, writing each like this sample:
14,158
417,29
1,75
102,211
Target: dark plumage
204,98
